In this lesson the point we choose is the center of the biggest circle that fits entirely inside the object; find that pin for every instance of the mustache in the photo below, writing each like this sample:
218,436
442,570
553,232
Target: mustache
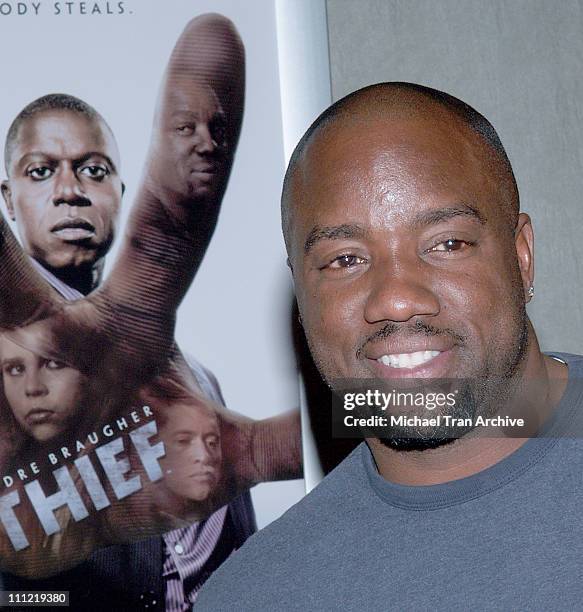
411,329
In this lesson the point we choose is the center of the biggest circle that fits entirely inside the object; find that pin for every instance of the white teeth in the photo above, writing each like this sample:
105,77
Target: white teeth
408,360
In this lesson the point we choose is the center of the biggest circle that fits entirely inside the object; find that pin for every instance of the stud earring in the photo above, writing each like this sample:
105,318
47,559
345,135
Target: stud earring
530,291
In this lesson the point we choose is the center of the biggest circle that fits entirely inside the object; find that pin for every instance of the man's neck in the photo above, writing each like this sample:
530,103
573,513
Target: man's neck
473,453
83,278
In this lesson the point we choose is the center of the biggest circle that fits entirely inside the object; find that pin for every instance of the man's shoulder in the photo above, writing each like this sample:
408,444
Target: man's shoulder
574,361
287,547
119,577
574,364
343,486
69,293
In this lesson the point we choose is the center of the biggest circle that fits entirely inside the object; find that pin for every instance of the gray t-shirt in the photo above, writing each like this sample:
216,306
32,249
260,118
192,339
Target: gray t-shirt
507,538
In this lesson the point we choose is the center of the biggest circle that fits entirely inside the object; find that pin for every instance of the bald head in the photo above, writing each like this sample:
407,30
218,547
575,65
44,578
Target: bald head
57,102
405,103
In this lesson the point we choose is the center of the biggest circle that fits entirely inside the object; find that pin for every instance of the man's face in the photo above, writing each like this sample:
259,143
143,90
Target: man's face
404,263
192,464
44,394
193,134
64,191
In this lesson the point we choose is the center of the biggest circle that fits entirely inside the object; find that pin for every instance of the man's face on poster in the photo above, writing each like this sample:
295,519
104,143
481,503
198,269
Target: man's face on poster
194,135
63,190
44,394
192,464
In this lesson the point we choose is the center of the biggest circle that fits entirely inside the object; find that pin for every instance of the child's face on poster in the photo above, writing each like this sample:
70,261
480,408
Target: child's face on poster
43,394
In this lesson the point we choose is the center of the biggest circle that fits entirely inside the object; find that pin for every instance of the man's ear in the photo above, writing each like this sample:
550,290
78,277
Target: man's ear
7,195
524,242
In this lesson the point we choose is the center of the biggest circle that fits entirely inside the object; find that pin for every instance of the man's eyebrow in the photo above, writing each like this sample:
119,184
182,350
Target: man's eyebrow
438,215
183,112
32,154
332,233
186,114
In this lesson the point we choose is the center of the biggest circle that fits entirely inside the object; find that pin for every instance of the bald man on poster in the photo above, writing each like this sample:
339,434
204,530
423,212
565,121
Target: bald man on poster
412,266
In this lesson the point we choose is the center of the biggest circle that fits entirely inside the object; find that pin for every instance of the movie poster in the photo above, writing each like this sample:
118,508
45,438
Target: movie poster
143,287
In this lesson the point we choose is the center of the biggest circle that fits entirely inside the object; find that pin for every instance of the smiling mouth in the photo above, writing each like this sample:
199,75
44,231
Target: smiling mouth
408,360
73,230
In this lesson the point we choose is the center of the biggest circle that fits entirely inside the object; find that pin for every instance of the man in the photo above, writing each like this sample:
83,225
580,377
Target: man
412,262
63,189
64,192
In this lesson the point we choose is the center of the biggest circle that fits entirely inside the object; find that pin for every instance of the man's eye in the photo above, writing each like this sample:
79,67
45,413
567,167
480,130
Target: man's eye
450,245
346,261
212,442
40,173
183,441
95,171
53,364
185,130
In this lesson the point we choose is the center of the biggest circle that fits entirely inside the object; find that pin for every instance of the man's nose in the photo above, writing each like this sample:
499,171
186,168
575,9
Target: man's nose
34,383
199,452
204,143
68,189
400,291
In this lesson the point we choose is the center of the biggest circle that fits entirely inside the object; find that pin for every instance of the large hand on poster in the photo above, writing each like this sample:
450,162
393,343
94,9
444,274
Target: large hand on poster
130,447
